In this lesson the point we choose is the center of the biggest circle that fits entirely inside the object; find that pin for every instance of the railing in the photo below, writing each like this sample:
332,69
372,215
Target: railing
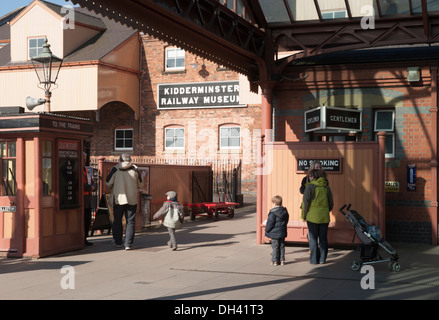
226,173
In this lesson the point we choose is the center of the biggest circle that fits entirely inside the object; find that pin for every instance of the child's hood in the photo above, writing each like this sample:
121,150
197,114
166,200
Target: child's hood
280,212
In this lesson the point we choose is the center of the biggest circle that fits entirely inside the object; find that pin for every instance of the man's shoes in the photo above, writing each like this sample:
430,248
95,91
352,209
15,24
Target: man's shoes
115,244
129,248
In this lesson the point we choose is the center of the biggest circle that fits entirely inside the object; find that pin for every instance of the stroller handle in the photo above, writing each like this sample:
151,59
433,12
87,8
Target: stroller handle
343,207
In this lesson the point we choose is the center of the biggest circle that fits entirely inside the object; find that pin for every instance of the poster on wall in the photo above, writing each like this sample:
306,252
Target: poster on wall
68,155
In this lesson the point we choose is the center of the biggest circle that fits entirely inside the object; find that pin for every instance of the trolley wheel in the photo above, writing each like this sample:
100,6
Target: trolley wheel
231,213
216,215
355,266
193,213
394,266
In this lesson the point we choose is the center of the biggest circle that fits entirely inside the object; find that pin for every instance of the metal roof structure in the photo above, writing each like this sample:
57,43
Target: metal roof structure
261,38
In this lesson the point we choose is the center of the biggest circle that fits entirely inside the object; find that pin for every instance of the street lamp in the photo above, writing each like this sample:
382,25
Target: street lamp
47,68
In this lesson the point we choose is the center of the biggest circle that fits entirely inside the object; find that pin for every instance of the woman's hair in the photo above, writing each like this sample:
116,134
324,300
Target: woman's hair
313,165
277,200
317,173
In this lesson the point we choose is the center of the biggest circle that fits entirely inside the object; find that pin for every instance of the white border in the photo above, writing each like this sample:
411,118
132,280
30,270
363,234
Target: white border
198,107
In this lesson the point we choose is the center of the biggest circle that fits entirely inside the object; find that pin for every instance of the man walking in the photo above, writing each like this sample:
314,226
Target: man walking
125,182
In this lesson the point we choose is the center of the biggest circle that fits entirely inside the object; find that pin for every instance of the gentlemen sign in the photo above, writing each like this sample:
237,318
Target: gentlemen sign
333,118
329,165
198,95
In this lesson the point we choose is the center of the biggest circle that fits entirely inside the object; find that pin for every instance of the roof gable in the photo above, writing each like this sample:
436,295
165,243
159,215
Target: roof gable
110,34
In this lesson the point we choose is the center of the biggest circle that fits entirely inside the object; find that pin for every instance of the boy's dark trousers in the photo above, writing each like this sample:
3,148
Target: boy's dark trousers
278,246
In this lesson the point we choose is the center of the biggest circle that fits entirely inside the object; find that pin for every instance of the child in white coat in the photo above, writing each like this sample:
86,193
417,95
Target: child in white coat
172,213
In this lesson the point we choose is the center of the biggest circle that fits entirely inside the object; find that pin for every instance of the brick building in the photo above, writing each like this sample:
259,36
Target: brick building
144,135
404,105
149,101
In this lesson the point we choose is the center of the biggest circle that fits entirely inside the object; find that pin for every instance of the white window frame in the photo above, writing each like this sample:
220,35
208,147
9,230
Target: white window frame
38,48
390,132
177,51
124,139
220,137
377,112
325,15
172,129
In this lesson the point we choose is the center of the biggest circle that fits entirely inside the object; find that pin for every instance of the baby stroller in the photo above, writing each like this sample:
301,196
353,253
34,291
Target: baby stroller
372,241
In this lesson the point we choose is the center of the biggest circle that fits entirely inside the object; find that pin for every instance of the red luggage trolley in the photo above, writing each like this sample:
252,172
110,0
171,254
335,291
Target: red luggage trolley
213,209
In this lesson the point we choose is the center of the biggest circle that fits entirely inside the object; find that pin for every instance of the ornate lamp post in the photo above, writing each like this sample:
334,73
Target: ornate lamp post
47,68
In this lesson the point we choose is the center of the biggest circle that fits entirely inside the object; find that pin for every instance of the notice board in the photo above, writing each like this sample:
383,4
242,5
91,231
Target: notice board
68,155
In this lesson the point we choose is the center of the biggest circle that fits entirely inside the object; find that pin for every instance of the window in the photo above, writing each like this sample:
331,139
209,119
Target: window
124,139
174,138
35,46
8,168
47,168
174,59
385,121
230,137
334,14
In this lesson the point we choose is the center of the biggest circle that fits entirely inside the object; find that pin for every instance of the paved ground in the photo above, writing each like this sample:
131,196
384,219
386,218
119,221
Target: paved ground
216,260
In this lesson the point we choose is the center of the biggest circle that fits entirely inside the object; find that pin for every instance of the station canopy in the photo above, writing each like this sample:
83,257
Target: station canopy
263,38
294,11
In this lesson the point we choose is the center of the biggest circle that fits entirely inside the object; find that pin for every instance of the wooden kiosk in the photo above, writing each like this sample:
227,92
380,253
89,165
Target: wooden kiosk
41,202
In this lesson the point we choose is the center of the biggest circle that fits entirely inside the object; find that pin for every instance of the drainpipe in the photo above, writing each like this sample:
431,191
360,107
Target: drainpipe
267,110
139,148
434,160
266,134
381,182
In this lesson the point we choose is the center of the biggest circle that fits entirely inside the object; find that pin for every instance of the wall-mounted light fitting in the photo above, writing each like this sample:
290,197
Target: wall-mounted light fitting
413,74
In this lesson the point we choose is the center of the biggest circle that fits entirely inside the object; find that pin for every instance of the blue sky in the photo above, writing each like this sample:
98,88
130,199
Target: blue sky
10,5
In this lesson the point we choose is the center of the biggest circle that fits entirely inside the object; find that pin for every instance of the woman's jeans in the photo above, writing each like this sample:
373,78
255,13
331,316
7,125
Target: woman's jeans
130,218
318,242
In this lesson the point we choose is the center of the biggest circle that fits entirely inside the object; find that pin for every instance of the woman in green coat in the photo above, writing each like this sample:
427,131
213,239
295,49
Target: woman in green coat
317,203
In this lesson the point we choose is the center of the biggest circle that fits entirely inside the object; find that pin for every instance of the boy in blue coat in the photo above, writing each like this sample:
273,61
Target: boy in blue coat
276,230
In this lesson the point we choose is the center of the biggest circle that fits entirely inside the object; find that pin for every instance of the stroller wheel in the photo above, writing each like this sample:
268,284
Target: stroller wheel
355,266
394,266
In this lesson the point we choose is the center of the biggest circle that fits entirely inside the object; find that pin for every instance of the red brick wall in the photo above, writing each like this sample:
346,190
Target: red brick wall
201,125
408,213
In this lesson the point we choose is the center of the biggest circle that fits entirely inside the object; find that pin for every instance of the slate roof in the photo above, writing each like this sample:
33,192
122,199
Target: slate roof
112,34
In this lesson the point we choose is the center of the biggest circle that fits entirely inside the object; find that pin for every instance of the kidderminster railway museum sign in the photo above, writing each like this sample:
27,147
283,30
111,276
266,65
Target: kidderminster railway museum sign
221,94
333,118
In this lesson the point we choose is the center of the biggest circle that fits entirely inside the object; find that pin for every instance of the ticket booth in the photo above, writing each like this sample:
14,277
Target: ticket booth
41,202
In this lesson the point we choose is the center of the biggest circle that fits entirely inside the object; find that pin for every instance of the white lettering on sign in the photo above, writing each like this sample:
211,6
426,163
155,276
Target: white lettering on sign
343,119
66,125
198,95
8,209
391,186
